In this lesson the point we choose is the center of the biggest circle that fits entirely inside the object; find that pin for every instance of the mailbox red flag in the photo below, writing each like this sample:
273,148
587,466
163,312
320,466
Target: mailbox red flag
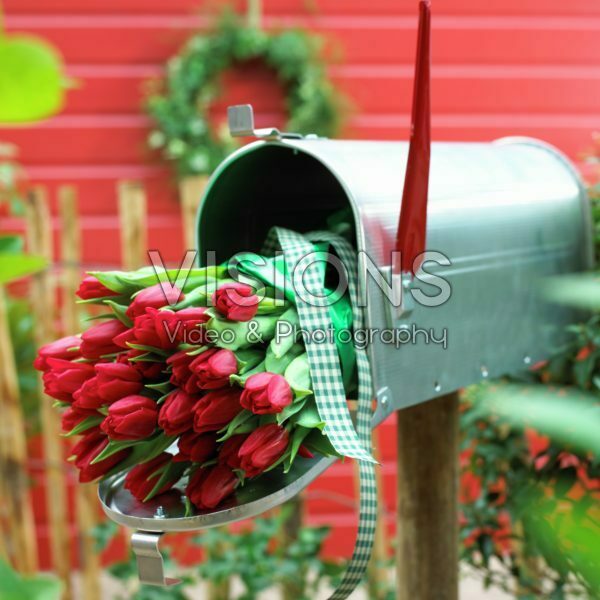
412,227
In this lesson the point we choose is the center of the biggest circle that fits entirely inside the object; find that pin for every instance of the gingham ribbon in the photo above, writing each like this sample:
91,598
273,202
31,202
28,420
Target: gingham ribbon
327,381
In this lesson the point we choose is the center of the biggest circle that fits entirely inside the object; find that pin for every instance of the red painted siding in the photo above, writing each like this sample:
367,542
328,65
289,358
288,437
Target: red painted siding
501,67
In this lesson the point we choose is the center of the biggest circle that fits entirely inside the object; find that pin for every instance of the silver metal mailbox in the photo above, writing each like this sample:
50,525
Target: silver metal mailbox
506,214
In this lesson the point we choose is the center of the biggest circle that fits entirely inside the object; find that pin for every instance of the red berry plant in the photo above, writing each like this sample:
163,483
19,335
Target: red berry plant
187,387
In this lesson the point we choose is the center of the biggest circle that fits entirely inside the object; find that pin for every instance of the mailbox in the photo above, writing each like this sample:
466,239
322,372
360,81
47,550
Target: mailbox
502,217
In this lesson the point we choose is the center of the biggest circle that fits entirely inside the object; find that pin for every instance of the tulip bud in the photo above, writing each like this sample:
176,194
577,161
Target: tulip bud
181,375
188,325
66,348
213,368
155,296
263,447
196,447
86,397
98,339
90,288
216,409
210,486
176,415
64,377
229,454
131,418
148,369
87,449
117,380
156,328
266,393
236,301
140,481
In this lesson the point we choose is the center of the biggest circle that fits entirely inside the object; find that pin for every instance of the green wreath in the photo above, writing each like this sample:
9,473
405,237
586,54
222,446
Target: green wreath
178,107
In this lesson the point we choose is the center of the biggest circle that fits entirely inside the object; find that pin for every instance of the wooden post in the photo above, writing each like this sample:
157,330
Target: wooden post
427,554
85,494
39,236
17,514
289,535
191,190
377,573
132,210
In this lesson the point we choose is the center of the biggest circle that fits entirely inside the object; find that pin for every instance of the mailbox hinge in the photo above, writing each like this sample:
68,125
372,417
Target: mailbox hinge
149,559
241,124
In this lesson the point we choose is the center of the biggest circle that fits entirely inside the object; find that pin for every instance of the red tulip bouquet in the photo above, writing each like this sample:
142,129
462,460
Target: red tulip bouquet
187,385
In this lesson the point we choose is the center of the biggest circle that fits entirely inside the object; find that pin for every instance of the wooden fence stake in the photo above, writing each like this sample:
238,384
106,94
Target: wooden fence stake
39,236
85,494
427,554
191,190
18,530
132,211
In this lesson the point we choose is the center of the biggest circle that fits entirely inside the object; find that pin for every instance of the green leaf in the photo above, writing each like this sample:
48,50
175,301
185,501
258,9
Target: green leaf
290,410
14,266
297,375
120,312
172,471
281,343
248,359
319,443
243,422
14,586
275,364
164,387
32,82
297,438
308,417
86,424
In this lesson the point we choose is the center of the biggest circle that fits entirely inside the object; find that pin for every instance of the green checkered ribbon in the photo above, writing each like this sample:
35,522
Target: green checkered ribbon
326,376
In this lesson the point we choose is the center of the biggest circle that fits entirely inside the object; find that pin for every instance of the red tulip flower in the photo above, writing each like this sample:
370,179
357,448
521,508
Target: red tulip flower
266,393
117,380
216,409
131,418
176,415
64,377
66,348
148,369
209,487
229,454
155,296
156,328
213,368
141,480
236,301
86,397
196,447
90,288
188,325
263,448
181,375
87,449
98,339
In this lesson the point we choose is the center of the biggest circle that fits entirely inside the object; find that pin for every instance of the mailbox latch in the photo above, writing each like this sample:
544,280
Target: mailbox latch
241,124
149,559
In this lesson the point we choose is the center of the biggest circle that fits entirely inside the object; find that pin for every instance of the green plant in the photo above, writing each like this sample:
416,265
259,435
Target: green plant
178,105
32,81
38,587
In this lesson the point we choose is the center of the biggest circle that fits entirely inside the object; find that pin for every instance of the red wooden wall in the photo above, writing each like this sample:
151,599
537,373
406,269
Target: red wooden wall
501,67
